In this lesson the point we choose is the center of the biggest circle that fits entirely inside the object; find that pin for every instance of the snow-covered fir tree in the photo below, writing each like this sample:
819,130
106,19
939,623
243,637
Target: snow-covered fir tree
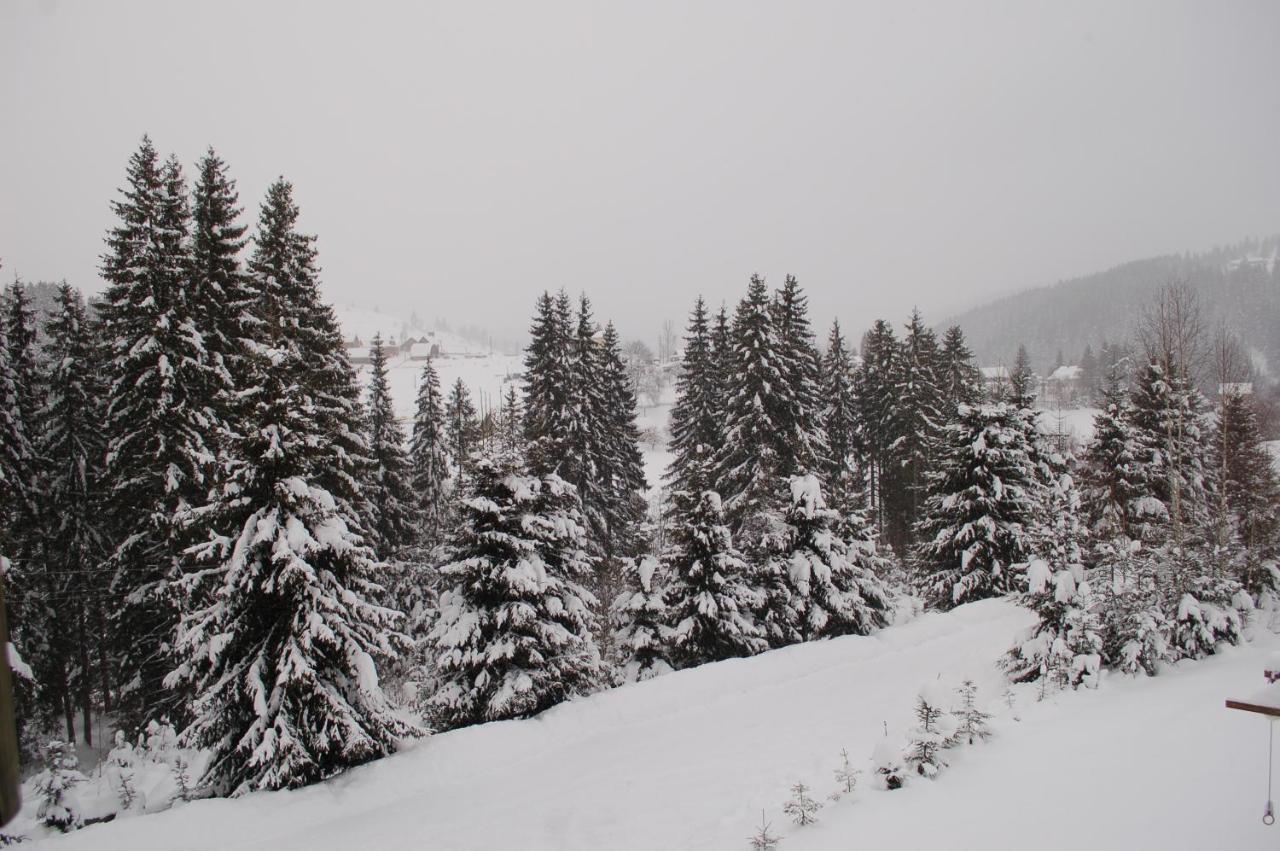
461,428
286,280
282,640
916,419
622,464
548,384
833,588
764,839
639,615
58,809
981,510
72,449
959,380
515,630
429,459
388,491
802,809
160,424
972,723
934,729
511,424
875,385
1250,493
842,476
887,763
846,777
694,420
802,448
710,601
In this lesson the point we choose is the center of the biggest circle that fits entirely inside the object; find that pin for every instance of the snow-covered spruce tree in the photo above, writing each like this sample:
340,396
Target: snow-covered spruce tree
222,299
639,615
833,589
981,510
585,425
846,777
710,600
802,447
57,809
515,631
511,425
802,809
695,422
764,839
756,415
959,380
160,425
622,464
842,475
71,448
462,429
971,721
281,643
1022,381
286,282
916,421
875,386
1066,644
934,730
1251,493
388,489
429,460
548,384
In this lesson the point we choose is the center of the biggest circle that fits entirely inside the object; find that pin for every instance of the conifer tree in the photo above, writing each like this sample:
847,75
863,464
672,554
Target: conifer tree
221,298
748,463
389,495
639,615
709,600
876,401
622,464
802,448
694,421
981,509
1022,381
548,383
429,460
959,380
1251,494
933,731
833,591
462,429
514,636
585,424
281,643
159,423
511,425
286,284
71,447
916,419
840,423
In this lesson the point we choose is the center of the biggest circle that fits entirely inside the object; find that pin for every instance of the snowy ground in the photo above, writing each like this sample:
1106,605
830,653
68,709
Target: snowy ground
689,760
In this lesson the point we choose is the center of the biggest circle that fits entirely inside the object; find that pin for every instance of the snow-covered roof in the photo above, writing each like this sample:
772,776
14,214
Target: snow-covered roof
1066,373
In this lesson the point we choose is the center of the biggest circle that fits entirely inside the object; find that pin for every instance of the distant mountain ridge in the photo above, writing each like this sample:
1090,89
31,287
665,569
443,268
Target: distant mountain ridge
1238,283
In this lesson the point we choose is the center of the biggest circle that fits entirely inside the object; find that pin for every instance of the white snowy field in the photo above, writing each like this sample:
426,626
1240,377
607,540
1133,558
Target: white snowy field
689,760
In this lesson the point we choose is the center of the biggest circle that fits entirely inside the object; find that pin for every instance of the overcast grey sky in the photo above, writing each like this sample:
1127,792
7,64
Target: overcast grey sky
460,157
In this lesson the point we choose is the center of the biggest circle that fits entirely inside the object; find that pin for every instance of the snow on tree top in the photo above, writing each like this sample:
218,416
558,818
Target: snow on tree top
806,494
1038,575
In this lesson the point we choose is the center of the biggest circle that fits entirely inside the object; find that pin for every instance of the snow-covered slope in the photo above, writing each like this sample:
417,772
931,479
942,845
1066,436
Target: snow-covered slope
688,761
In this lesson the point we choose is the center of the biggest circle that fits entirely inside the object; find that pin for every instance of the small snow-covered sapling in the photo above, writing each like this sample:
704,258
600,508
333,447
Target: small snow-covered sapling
763,840
934,729
182,777
802,809
887,758
846,776
57,810
972,720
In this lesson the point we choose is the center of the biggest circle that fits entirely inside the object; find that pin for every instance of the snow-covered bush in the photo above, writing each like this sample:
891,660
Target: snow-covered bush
1208,614
58,809
1065,645
888,763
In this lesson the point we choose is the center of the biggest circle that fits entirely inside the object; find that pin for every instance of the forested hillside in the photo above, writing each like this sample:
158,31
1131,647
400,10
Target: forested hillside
1239,284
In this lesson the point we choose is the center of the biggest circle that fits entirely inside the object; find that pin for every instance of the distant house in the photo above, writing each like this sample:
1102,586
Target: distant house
421,350
993,378
1064,386
1236,388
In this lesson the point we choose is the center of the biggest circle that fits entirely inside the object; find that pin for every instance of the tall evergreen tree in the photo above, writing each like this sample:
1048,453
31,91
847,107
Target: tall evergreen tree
514,635
622,464
981,510
511,425
802,447
1022,381
160,423
959,380
585,425
548,382
876,400
1251,494
429,460
462,429
694,421
916,420
710,599
748,462
840,422
389,495
72,449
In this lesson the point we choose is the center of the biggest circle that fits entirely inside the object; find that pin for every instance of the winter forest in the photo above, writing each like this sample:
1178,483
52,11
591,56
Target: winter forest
224,550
